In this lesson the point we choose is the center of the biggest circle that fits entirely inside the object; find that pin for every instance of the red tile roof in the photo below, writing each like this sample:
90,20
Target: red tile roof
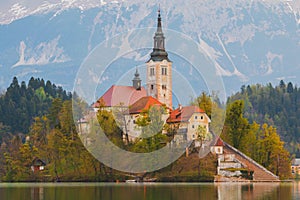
183,114
219,142
144,104
117,95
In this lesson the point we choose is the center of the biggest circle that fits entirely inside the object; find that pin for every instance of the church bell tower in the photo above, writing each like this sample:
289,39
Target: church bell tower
136,82
159,69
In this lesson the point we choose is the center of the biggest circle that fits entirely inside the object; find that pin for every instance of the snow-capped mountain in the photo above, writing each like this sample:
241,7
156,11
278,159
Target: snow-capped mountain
248,41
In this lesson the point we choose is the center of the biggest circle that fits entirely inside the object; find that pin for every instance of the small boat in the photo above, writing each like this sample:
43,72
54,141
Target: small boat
138,180
150,180
131,181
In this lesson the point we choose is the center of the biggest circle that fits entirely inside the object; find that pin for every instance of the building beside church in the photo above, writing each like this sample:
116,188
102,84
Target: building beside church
295,167
136,111
187,120
135,100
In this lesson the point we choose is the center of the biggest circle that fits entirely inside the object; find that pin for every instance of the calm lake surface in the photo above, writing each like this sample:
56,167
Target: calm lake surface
149,191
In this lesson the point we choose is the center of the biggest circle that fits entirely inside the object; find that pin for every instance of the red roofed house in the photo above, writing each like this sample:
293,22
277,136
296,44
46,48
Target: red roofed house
188,119
218,147
135,111
37,165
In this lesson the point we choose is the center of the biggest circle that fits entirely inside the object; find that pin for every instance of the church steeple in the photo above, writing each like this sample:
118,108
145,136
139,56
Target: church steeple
159,53
159,69
136,82
159,28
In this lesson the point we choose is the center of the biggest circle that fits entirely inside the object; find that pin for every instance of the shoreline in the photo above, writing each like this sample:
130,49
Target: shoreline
151,182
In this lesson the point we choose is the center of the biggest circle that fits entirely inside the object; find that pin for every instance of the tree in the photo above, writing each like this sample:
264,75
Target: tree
213,108
56,152
204,102
290,88
110,127
54,111
4,132
236,126
272,153
38,131
26,154
202,135
65,117
250,145
152,125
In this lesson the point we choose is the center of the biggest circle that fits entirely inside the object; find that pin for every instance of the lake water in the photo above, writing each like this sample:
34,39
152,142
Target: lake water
149,191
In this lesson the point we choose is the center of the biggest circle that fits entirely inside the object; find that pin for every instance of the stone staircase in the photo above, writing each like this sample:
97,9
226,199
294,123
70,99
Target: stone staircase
260,173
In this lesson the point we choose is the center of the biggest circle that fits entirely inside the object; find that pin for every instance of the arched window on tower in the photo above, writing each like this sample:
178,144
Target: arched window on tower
164,71
152,71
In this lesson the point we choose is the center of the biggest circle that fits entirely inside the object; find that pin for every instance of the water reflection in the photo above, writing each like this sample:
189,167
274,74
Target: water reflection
37,193
255,191
157,191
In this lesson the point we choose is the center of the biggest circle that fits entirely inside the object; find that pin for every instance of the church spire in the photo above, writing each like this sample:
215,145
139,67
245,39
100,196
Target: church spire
159,28
159,53
136,82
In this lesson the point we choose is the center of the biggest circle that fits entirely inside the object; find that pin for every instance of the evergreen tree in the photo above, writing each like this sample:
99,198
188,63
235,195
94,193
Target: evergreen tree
27,103
236,126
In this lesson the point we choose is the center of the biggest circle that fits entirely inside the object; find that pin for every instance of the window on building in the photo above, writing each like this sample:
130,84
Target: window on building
164,87
201,117
164,71
134,121
152,71
152,87
196,117
193,126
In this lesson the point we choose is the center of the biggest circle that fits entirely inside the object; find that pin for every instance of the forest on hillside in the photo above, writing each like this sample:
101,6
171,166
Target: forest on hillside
21,103
52,137
278,106
37,121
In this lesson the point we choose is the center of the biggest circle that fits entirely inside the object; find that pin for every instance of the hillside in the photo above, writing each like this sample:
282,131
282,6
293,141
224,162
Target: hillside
40,124
189,169
278,106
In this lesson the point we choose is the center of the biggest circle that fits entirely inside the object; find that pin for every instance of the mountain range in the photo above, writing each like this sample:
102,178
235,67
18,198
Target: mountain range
255,41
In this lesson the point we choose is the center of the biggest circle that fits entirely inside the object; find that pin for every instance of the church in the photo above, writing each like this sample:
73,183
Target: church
131,102
135,99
